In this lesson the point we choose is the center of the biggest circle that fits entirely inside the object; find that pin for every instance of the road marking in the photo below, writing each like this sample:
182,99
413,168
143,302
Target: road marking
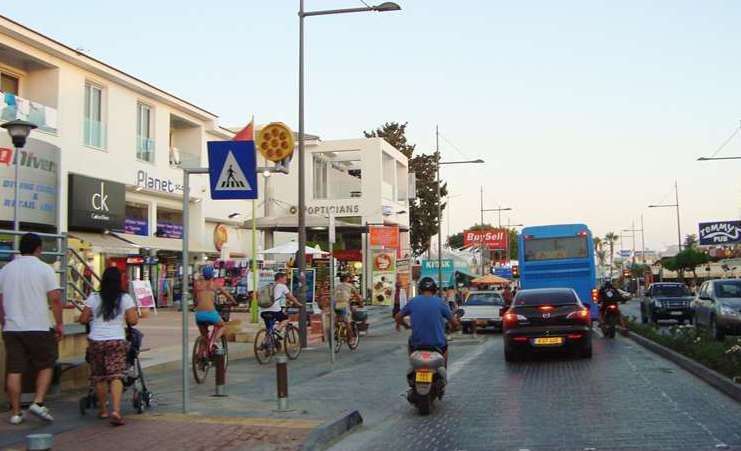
456,366
240,421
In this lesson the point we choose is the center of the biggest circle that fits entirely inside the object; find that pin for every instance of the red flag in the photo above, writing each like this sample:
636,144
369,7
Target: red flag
247,133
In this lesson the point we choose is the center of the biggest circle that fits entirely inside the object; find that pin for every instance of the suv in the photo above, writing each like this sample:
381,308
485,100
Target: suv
666,301
718,307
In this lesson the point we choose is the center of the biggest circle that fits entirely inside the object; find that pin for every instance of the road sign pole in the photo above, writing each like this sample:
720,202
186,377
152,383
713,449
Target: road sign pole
184,292
253,302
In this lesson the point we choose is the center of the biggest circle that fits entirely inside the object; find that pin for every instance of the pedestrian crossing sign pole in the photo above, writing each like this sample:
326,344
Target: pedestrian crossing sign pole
232,169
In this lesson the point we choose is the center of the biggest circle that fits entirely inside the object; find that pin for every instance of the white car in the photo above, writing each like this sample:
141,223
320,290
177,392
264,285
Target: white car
481,311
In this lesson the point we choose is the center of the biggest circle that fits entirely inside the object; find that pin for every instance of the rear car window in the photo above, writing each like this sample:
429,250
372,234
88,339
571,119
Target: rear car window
728,289
671,291
524,298
484,299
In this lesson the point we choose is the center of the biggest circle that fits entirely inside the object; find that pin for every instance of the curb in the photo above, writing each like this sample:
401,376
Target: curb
710,377
327,432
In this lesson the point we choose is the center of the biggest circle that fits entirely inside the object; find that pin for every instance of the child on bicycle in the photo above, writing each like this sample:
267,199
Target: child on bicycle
282,297
345,294
205,298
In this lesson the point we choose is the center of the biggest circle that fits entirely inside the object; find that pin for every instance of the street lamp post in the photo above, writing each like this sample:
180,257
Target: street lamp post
499,210
19,131
301,255
674,205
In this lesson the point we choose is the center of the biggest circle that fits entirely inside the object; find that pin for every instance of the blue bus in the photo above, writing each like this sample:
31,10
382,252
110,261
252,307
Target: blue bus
559,256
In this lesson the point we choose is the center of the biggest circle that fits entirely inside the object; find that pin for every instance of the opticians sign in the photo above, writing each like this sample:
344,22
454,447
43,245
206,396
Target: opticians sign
96,204
720,233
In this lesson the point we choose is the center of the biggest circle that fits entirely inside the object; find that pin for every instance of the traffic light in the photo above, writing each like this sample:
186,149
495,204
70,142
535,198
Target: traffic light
515,271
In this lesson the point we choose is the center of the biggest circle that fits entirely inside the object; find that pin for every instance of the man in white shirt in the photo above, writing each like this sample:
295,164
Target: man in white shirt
27,287
281,294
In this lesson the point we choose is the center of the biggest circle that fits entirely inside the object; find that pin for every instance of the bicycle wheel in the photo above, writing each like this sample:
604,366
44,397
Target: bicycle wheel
226,352
292,342
199,363
339,335
262,348
354,341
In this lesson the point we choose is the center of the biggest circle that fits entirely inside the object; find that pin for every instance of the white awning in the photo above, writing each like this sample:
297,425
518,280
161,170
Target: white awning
164,244
106,243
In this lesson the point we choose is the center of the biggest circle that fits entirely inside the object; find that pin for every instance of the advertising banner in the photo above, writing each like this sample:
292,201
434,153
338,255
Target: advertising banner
429,269
383,276
39,174
495,239
310,285
96,204
720,233
142,293
384,236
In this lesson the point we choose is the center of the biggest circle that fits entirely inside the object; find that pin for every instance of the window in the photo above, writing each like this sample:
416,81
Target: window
337,175
320,177
484,299
555,248
728,289
670,291
94,126
144,133
545,297
9,83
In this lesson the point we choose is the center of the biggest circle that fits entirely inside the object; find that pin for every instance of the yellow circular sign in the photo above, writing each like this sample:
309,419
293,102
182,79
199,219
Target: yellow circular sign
275,141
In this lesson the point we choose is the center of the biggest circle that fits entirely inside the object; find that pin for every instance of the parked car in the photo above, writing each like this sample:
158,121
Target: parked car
547,319
666,301
482,311
718,307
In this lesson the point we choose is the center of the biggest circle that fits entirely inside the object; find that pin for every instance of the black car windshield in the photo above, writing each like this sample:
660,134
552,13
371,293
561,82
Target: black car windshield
728,289
670,291
484,299
560,297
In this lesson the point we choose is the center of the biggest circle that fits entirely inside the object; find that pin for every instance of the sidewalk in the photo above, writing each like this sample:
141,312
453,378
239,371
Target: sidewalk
246,419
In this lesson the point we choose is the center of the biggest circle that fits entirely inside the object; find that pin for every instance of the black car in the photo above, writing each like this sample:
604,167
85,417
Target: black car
548,318
667,301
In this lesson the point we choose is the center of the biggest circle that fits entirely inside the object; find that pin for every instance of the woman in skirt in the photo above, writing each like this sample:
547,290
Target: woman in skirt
107,312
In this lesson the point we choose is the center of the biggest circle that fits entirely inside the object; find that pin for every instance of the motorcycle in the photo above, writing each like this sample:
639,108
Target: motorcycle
610,321
427,376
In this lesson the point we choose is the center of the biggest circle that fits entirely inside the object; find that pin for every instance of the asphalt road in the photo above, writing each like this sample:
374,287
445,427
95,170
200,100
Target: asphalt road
625,397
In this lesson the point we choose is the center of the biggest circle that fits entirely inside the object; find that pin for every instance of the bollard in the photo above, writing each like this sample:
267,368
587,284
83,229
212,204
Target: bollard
281,373
220,373
39,442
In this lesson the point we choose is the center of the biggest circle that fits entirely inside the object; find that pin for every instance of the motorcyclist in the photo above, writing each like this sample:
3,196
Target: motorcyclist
609,295
427,312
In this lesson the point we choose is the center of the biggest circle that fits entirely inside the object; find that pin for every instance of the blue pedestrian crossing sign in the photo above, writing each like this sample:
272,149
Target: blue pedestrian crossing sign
232,169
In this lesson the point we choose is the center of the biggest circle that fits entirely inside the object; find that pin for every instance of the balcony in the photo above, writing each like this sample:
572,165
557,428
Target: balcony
14,107
145,149
94,133
186,142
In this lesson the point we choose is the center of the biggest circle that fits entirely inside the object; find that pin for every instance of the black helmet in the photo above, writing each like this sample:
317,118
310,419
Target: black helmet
427,284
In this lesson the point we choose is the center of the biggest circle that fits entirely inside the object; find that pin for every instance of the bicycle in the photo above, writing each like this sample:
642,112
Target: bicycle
204,356
342,334
270,341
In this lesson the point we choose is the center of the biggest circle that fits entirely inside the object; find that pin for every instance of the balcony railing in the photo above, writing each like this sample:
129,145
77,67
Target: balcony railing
94,133
13,107
145,148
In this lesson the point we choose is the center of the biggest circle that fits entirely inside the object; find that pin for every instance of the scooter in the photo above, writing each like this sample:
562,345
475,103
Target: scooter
611,320
427,376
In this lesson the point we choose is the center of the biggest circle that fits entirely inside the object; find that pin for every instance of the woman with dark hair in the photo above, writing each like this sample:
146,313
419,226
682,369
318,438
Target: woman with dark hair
106,312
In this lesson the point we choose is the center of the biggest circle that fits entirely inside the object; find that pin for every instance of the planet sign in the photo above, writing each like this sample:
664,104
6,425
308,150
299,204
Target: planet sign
275,141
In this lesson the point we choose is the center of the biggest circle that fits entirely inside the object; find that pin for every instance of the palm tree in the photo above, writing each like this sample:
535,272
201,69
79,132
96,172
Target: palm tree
599,251
611,238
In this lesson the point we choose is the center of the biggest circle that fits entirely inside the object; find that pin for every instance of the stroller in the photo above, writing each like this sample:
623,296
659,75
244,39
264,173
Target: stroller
141,396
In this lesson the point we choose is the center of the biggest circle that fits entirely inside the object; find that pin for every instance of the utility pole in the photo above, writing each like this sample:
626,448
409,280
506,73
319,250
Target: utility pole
481,232
643,243
439,213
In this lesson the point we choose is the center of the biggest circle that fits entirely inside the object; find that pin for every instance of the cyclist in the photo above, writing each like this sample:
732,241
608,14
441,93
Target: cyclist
205,297
282,298
345,294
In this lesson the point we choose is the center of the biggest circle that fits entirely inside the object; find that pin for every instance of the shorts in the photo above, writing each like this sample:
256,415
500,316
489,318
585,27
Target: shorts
341,312
35,348
208,318
271,318
107,359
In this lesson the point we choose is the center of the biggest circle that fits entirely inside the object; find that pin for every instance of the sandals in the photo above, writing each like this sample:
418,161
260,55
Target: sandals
102,416
117,419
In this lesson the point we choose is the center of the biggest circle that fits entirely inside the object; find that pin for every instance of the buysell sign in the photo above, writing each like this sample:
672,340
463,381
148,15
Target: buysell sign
720,233
96,204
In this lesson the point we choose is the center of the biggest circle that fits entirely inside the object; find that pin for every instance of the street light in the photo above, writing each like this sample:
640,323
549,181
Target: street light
301,255
19,131
674,205
717,158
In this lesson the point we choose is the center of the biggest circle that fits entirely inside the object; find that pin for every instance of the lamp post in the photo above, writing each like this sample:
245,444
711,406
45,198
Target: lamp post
633,231
718,158
301,255
439,204
499,210
19,131
674,205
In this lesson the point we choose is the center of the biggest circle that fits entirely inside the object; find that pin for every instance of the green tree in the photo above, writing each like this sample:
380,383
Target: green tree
423,216
455,241
690,240
611,238
690,258
599,250
514,244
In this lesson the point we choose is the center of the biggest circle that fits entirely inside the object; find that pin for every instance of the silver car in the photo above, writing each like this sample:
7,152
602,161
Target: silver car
718,307
481,311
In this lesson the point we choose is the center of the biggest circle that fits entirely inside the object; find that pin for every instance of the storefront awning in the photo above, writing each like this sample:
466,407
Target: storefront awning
164,244
289,223
106,243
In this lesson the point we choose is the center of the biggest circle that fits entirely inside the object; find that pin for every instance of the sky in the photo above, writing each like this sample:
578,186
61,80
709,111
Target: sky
584,111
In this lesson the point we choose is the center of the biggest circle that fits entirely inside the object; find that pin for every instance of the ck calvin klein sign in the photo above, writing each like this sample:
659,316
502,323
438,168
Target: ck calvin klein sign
96,204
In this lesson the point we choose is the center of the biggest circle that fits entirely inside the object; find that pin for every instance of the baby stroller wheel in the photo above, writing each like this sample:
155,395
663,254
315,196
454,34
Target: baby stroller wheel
137,402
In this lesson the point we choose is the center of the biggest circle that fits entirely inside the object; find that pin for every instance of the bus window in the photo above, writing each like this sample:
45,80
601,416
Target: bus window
555,248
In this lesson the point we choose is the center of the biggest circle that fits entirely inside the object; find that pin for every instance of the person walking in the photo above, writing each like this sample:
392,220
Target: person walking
107,312
27,287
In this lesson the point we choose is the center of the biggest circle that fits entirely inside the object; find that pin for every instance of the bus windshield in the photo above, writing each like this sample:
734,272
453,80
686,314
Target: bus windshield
555,248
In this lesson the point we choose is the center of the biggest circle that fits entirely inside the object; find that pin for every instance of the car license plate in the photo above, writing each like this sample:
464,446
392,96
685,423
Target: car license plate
677,313
548,341
423,376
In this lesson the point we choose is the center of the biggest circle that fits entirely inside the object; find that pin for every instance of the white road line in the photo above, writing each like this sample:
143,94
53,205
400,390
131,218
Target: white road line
456,366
